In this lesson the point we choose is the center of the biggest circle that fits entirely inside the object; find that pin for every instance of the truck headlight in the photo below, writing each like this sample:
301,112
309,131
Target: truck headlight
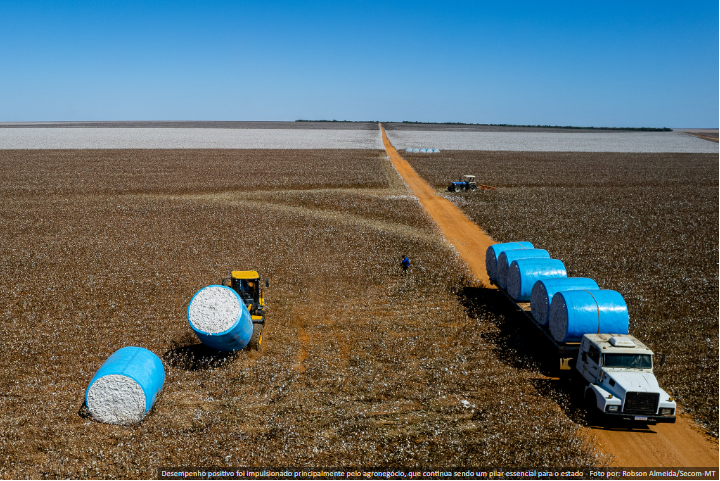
667,411
612,408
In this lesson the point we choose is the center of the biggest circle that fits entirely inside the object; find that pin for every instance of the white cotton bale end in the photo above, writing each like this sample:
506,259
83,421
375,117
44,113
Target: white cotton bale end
125,387
416,151
408,150
220,319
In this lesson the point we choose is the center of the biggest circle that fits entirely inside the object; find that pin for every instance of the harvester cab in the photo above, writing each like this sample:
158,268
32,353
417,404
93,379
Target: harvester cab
247,285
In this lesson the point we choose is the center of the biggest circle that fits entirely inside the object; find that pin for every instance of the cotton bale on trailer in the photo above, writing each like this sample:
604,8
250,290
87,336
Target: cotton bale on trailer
544,290
576,313
507,257
492,253
524,273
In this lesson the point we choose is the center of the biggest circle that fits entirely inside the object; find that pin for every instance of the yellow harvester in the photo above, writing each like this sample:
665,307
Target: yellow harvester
247,285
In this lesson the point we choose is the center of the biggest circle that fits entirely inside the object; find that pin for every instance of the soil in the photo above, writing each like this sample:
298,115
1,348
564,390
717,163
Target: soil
361,366
679,444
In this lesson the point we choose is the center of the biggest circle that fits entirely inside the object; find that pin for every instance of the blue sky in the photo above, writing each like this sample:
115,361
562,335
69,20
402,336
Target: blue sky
558,63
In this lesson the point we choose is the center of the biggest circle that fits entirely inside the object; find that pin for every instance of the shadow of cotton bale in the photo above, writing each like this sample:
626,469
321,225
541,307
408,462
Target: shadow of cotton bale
196,357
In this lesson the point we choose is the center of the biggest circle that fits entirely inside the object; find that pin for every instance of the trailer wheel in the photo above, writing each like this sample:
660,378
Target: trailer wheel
256,339
591,409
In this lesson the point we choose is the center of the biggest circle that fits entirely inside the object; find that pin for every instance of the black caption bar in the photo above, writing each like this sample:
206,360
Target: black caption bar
436,473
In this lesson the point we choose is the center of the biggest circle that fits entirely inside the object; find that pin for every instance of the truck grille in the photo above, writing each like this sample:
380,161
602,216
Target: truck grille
641,402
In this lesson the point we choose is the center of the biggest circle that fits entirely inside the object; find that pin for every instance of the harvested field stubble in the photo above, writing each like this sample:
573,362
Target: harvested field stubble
361,366
642,224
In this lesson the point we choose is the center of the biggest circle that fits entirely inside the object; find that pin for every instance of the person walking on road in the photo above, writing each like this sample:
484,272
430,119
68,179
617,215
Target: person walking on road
405,264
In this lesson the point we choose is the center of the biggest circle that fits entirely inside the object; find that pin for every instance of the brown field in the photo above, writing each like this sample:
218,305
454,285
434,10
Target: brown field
361,367
642,224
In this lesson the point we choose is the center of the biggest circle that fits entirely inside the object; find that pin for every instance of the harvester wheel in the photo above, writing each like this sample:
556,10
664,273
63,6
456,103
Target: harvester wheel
257,337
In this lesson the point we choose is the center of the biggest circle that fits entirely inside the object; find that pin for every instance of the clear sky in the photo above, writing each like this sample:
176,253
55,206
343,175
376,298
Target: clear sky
559,63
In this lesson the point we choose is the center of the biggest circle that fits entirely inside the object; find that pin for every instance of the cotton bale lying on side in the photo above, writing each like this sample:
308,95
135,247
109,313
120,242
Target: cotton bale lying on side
508,256
575,313
544,290
125,387
408,150
220,319
524,273
492,253
416,151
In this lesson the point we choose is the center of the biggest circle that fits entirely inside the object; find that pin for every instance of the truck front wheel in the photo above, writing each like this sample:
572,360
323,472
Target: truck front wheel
591,409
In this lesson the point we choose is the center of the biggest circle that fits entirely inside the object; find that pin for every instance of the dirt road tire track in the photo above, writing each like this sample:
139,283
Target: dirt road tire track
681,445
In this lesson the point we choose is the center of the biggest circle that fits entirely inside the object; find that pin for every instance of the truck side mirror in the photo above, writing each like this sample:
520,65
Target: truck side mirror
584,356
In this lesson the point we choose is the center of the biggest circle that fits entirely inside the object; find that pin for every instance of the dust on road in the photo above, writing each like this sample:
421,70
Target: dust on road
681,444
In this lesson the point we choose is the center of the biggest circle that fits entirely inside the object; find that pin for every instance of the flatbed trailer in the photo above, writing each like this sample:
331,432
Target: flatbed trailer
567,351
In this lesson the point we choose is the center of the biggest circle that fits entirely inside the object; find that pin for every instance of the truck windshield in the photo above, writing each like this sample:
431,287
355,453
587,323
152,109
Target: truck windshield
628,361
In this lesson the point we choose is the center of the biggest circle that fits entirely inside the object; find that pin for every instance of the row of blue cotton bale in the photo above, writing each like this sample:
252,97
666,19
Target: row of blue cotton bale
126,386
410,150
569,307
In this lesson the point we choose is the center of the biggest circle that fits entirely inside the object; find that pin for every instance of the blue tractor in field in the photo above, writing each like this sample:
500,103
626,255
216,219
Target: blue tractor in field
467,182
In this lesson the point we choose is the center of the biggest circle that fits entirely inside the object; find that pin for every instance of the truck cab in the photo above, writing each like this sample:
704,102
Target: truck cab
621,383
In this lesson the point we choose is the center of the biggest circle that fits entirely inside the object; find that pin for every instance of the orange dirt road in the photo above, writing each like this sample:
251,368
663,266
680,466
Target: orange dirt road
464,235
672,445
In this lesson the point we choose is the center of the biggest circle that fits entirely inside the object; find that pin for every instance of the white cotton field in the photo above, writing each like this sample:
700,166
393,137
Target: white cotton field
675,142
187,138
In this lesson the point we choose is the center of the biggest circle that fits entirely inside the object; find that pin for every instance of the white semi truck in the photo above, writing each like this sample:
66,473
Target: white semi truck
621,384
618,370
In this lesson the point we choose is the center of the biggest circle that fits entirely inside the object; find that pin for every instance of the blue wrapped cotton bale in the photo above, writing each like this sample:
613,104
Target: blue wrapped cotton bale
125,387
220,319
576,313
493,252
507,257
524,273
422,151
436,151
544,290
416,151
408,150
